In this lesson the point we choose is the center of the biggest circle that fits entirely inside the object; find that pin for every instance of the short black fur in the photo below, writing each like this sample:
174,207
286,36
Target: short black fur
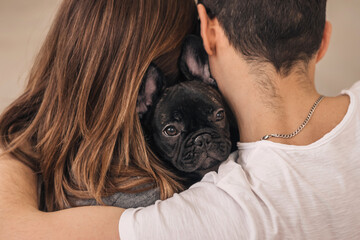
186,124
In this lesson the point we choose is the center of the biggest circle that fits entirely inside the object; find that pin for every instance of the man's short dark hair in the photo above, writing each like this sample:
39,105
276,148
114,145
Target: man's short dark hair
282,32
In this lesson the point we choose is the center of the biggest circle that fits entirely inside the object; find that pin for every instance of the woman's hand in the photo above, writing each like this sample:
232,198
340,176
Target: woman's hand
21,219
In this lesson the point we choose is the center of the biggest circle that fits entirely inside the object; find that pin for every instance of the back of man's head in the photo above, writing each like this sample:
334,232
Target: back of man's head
282,32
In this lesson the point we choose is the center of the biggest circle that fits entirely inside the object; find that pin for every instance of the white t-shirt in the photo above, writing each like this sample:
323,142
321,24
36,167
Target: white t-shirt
267,190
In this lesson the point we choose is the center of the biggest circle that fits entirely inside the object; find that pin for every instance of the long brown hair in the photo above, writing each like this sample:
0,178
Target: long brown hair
76,124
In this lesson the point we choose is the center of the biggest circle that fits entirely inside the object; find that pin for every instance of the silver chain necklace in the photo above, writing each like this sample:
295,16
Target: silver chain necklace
296,132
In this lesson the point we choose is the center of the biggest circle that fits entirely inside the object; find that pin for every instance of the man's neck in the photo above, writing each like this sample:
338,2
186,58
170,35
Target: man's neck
270,103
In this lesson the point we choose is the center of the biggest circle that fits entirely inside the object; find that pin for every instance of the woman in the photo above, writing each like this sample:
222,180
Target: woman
75,126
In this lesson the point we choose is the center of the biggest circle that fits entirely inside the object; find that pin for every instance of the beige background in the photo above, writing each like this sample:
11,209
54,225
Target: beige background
24,23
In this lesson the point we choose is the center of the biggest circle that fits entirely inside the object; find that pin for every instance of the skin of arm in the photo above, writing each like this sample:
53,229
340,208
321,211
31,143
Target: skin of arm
21,219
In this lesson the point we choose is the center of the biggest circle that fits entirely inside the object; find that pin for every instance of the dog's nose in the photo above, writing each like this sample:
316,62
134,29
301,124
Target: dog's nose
202,139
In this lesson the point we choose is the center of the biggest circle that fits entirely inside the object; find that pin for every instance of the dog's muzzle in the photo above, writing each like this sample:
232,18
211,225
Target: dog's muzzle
203,150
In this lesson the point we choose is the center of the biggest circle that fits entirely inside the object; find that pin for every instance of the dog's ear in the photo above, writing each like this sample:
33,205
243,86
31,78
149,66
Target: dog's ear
150,89
194,61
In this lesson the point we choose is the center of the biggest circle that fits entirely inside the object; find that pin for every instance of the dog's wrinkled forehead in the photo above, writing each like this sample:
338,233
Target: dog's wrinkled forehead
185,99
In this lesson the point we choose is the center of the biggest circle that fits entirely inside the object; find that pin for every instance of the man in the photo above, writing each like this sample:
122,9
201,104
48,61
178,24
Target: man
297,170
299,182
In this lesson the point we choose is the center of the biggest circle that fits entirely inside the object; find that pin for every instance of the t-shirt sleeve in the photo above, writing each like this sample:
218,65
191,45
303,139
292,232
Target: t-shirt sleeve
204,211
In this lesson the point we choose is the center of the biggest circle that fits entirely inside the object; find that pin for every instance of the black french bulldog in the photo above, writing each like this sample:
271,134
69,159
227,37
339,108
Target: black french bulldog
186,124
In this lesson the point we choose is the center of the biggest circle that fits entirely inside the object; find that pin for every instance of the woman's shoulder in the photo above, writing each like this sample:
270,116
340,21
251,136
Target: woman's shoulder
17,183
13,168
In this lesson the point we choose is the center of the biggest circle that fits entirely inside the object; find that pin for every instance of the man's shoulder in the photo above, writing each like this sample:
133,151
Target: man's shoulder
225,167
355,88
230,179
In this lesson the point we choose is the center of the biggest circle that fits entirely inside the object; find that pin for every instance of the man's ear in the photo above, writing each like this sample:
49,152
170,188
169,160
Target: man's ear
194,61
325,41
150,90
207,33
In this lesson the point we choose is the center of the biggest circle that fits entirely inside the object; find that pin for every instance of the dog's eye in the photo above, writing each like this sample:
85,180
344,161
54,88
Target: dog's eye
170,131
220,115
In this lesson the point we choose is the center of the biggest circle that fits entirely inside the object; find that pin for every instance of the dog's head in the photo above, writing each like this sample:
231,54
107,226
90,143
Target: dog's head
186,123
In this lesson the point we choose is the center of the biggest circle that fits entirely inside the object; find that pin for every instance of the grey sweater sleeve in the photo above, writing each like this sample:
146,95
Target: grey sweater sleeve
124,200
120,199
